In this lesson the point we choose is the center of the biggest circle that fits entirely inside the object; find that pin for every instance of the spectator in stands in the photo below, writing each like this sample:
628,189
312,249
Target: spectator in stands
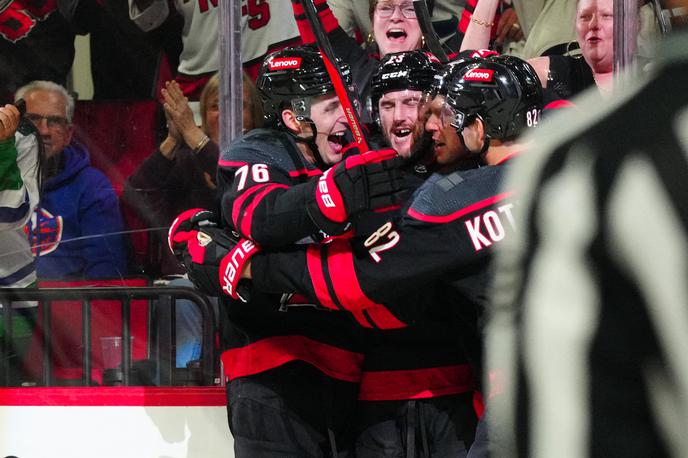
355,17
264,30
181,175
394,27
547,26
18,198
36,42
566,75
77,230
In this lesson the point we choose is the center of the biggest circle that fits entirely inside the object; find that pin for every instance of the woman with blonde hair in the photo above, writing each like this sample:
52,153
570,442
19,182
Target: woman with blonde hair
181,174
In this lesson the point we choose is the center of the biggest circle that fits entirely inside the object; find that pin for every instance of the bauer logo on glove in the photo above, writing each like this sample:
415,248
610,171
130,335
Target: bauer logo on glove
213,257
232,265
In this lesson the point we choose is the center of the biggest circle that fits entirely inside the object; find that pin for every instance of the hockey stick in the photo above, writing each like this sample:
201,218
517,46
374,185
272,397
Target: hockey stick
431,38
340,88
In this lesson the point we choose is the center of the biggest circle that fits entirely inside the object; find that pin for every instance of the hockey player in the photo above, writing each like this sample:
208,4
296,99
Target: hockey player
454,221
398,89
293,370
416,393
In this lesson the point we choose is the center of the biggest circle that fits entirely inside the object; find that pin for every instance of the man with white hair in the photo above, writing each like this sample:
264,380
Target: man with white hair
76,232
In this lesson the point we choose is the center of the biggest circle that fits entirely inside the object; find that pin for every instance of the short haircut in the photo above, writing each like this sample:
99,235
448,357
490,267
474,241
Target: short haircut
40,85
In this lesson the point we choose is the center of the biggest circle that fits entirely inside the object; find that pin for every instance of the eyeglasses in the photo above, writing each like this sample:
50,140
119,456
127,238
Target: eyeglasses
386,10
54,122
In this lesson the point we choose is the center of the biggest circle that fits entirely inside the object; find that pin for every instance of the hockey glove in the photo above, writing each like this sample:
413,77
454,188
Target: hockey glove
213,257
185,226
360,182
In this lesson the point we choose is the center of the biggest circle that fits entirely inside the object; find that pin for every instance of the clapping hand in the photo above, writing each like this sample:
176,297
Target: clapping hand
179,113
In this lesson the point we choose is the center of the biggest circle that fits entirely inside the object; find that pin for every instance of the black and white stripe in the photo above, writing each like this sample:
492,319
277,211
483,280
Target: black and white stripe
589,328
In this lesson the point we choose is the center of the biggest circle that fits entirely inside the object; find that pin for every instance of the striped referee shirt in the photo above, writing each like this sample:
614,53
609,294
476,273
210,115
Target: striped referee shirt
588,333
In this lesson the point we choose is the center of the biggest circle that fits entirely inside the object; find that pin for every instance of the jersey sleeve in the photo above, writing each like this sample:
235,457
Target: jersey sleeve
402,256
261,200
18,180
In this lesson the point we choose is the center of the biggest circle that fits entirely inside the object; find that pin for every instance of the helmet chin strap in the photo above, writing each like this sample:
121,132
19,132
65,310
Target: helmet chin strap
483,147
310,142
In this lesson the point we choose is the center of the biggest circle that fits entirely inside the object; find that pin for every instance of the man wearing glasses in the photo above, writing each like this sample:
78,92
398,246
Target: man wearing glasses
76,231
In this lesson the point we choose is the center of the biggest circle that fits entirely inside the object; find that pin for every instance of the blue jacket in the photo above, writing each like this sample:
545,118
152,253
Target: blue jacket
77,206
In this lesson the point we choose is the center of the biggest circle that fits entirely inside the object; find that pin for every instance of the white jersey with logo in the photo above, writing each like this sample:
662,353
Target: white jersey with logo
16,206
264,24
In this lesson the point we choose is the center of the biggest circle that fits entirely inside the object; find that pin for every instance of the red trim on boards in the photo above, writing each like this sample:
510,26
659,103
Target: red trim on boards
136,396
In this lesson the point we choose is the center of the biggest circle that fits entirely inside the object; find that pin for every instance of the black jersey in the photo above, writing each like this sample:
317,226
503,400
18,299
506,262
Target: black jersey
446,236
261,178
450,230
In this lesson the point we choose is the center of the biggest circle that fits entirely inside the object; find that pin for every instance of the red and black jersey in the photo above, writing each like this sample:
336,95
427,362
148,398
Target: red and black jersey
261,177
390,279
448,232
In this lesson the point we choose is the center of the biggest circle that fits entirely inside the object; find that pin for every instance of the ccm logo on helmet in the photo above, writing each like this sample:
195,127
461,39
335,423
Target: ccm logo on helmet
399,74
479,74
285,63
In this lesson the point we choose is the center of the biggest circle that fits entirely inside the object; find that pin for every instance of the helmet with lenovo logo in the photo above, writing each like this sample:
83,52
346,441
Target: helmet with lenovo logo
290,78
503,91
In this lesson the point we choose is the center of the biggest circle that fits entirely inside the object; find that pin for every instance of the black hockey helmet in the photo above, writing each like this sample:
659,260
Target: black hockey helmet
440,82
410,70
290,77
503,91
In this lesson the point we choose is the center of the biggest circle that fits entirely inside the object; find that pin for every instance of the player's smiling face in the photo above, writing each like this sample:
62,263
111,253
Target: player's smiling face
398,115
395,32
447,147
328,116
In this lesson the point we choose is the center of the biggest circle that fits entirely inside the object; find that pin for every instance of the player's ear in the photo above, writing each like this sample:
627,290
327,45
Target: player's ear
480,129
474,134
290,121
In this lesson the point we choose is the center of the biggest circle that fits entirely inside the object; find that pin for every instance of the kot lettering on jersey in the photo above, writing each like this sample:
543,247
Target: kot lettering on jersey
491,226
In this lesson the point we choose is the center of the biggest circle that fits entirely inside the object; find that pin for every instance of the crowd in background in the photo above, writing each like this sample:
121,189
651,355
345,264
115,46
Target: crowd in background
75,218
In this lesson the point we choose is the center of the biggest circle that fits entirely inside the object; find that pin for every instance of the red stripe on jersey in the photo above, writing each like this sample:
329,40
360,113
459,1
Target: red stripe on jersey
223,163
314,264
381,314
478,403
340,263
361,319
506,158
458,214
416,383
391,208
239,202
305,172
247,220
273,352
